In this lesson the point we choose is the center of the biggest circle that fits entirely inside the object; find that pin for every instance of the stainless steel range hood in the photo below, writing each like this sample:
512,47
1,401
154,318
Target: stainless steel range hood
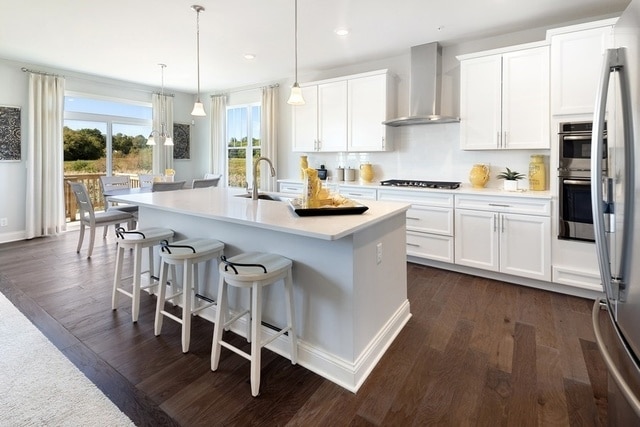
425,82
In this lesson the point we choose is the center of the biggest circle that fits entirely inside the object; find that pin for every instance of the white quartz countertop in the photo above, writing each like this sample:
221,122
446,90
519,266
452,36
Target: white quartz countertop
464,188
223,204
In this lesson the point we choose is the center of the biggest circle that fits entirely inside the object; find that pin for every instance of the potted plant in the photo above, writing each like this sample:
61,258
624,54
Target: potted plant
510,179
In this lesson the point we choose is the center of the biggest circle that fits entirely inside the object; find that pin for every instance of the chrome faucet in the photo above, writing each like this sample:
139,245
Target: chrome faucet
254,189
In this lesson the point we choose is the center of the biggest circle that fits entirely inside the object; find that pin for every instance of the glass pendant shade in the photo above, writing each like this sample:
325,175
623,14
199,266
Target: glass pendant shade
168,141
296,95
198,109
151,140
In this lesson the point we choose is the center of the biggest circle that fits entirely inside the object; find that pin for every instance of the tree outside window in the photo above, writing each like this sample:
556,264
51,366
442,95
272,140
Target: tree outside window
243,143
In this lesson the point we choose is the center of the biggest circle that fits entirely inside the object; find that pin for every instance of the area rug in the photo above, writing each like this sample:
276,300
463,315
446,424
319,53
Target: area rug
39,386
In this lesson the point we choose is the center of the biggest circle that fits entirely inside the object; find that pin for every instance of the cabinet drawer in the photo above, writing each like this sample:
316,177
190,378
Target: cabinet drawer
430,219
421,197
290,187
431,246
524,205
355,192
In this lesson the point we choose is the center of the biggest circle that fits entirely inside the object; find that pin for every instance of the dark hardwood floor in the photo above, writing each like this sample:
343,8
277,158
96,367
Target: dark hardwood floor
475,352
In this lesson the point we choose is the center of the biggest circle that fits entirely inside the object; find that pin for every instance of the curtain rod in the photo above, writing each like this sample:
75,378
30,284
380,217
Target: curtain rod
245,90
27,70
173,95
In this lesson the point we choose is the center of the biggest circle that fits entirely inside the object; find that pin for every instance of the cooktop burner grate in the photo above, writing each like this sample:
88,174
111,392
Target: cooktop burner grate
421,184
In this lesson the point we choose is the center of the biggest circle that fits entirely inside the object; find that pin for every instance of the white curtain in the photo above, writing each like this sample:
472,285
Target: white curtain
162,154
269,136
45,214
218,133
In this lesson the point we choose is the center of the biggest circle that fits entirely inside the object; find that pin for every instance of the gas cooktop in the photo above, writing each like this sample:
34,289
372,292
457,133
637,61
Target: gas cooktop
421,184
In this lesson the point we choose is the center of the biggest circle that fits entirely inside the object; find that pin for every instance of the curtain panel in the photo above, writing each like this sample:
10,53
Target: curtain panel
269,136
45,213
218,134
162,154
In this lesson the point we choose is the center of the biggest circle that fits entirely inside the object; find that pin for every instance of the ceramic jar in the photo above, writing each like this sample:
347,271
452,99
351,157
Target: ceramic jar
537,173
479,175
366,172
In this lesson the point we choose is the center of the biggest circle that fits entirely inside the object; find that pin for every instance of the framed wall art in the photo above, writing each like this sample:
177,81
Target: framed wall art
10,134
181,141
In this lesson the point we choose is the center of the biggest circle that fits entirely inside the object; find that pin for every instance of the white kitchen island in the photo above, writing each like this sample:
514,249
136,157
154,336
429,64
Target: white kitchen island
349,273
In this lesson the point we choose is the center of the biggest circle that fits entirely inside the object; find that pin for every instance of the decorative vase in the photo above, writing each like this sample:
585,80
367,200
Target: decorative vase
366,172
304,164
537,173
479,175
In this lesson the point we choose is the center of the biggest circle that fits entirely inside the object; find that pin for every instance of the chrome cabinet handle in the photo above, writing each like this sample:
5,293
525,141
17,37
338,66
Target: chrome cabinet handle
413,245
504,139
495,220
498,139
575,182
413,218
502,221
499,205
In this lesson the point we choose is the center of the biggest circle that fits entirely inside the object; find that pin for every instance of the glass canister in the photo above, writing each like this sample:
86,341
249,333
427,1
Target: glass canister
479,175
537,173
304,164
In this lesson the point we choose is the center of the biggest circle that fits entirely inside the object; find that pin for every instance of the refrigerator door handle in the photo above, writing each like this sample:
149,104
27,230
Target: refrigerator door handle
615,61
615,374
597,176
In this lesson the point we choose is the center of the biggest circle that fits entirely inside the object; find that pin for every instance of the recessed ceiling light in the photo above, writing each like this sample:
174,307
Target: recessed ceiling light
249,56
341,31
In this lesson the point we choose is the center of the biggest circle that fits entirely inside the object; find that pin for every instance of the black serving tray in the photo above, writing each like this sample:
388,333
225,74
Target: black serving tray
296,205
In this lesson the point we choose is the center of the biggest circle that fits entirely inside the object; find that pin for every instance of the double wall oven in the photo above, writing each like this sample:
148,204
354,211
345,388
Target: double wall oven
574,180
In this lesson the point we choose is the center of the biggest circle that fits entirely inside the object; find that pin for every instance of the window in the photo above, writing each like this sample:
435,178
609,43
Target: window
106,136
243,142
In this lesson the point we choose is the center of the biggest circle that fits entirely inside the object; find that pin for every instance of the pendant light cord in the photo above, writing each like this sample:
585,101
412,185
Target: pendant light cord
198,47
296,38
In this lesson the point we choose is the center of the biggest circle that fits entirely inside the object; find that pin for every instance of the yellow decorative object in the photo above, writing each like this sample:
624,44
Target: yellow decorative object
479,175
537,173
366,172
304,164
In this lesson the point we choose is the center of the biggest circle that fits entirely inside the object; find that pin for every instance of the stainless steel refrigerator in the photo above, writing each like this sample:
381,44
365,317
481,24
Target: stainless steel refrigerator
616,214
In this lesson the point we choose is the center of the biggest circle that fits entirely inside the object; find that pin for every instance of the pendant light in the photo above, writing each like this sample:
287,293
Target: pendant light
198,108
162,134
296,93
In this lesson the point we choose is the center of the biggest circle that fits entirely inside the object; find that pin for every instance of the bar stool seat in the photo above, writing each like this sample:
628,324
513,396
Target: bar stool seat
137,240
253,270
188,253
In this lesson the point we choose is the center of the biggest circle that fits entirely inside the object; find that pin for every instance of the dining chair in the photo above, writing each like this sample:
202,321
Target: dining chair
211,175
167,186
202,183
90,218
117,182
146,180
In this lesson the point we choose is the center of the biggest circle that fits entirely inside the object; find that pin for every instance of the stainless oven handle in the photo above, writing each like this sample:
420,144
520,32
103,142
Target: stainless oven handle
576,182
577,137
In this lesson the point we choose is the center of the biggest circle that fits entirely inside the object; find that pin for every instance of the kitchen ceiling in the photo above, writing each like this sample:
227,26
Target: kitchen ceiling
126,39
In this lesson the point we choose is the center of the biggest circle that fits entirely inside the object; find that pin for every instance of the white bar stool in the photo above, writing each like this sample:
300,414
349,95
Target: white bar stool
188,253
136,240
253,270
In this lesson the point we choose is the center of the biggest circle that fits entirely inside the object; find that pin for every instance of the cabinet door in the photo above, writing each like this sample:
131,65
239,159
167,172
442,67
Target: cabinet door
576,64
480,103
525,99
367,101
332,116
525,246
305,121
476,239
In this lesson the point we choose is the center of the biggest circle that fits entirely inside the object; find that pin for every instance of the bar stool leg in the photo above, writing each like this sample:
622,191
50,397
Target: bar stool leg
256,341
186,303
219,324
135,300
288,296
161,298
117,277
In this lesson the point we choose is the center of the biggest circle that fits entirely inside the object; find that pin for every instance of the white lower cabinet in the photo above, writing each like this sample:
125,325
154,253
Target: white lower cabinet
290,187
358,192
491,237
429,223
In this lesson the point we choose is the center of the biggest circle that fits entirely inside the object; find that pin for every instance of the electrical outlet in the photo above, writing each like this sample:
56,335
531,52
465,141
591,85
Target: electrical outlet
379,253
4,222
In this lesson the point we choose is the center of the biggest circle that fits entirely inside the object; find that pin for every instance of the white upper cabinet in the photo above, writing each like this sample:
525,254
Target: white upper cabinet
504,100
576,65
344,114
368,107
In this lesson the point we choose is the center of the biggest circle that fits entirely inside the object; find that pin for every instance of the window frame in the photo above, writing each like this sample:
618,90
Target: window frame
249,149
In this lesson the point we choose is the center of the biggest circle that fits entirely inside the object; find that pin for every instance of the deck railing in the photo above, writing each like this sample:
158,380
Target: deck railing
92,182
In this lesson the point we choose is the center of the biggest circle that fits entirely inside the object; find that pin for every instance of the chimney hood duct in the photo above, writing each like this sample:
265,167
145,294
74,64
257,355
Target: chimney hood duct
425,81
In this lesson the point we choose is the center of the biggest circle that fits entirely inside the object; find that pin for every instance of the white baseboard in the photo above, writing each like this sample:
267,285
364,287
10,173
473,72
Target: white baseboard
13,236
